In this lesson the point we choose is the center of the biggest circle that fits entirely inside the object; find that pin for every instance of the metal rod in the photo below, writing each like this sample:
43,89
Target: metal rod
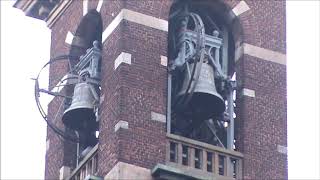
169,104
217,66
78,146
54,93
230,130
225,51
188,69
214,133
230,109
216,57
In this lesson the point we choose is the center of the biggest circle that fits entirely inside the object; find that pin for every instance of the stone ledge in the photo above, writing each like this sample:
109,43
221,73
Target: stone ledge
128,171
158,117
164,60
64,172
248,92
240,8
265,54
99,5
122,58
47,145
121,124
136,17
161,171
282,149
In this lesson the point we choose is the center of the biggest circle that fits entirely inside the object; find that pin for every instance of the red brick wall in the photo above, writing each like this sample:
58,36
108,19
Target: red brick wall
55,153
158,9
133,91
144,90
60,152
261,122
111,108
265,24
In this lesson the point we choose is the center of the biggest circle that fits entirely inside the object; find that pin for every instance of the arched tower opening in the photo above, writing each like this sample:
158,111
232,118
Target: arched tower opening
202,41
88,31
81,111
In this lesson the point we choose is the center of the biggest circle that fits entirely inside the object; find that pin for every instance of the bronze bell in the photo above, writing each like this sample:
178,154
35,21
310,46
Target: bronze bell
205,102
81,115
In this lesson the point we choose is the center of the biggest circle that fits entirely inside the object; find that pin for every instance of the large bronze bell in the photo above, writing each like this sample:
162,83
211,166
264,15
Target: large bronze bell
205,102
80,115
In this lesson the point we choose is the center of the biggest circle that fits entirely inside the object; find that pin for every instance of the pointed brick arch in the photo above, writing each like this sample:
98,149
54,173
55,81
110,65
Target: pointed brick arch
89,30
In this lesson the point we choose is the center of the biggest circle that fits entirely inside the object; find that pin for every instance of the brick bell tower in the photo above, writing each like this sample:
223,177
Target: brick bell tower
170,89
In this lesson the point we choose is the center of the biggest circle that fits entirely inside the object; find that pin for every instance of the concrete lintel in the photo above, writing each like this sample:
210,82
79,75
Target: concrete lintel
282,149
136,17
167,171
248,92
47,144
240,8
261,53
158,117
122,58
121,124
99,5
101,99
128,171
238,53
146,20
69,38
264,54
160,24
85,7
64,172
164,60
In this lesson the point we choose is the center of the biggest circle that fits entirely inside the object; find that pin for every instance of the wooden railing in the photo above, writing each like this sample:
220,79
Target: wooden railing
192,155
88,166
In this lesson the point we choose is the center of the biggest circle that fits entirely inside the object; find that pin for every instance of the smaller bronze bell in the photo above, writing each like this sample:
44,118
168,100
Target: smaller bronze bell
81,115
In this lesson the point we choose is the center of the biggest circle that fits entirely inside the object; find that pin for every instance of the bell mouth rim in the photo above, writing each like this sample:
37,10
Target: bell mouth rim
218,105
75,120
78,107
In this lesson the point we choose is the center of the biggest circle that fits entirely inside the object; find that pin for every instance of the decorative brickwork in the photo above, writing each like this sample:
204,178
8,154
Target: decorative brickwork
132,92
262,120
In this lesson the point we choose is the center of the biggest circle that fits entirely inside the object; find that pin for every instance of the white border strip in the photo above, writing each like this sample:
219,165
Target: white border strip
112,26
122,58
248,92
139,18
158,117
240,8
99,5
238,53
162,25
128,171
69,38
282,149
121,124
164,60
85,7
146,20
264,54
47,144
